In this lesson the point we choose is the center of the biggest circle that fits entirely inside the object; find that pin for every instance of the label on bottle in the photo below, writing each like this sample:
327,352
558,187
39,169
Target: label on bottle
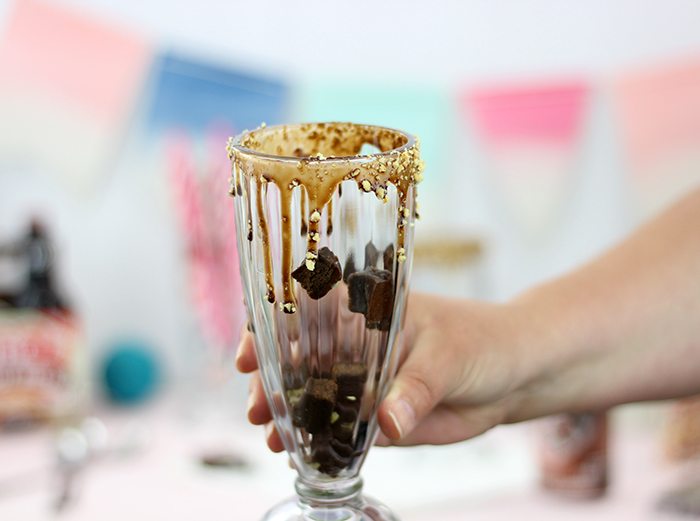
38,364
573,454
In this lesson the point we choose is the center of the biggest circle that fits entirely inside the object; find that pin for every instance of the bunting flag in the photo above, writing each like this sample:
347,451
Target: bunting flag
419,110
68,84
529,135
659,119
188,95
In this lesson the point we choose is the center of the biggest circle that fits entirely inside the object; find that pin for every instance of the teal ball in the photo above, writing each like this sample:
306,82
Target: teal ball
130,373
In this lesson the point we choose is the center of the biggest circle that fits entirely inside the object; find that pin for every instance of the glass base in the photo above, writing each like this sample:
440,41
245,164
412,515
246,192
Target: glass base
353,507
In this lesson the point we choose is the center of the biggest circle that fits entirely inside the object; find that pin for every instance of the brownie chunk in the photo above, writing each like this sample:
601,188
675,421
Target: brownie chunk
343,431
331,455
350,379
389,258
347,412
326,272
371,255
349,268
371,293
313,410
343,449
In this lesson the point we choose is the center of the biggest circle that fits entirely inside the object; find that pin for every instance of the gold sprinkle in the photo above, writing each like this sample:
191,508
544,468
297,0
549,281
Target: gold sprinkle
405,212
314,236
355,172
315,216
351,398
293,184
366,185
311,260
288,307
401,254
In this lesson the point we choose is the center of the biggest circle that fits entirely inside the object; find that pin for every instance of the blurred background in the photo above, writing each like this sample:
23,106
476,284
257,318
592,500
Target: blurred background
549,131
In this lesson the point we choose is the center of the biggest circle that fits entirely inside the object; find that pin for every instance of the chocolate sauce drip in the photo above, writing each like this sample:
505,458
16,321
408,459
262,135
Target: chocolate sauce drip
260,193
305,157
304,224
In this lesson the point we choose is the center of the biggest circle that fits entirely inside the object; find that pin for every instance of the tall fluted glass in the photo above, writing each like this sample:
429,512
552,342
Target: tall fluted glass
325,233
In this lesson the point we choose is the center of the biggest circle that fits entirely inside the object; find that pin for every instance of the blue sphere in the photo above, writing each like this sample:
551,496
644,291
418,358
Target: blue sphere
130,372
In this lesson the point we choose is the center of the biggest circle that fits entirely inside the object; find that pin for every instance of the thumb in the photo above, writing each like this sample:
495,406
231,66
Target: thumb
419,386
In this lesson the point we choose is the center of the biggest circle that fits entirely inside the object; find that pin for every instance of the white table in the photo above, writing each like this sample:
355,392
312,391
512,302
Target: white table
493,477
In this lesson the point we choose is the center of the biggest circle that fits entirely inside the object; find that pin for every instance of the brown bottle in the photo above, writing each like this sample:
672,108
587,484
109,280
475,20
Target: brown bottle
574,454
40,356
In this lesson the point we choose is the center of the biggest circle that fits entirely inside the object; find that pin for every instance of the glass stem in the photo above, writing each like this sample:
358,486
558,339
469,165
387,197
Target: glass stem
329,501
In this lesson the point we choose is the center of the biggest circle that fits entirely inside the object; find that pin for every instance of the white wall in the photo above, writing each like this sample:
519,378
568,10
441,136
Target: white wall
438,41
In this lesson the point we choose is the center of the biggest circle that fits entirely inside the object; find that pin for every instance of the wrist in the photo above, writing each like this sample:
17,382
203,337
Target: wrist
550,355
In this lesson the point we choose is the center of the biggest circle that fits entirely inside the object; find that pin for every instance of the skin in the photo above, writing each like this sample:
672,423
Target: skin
623,328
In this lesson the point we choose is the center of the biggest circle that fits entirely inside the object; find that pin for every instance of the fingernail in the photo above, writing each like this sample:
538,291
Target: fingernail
403,417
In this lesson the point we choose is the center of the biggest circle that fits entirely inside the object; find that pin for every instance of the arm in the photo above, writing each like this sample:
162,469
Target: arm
624,328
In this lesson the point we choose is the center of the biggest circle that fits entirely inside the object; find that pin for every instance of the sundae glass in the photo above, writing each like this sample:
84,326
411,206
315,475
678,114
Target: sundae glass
325,232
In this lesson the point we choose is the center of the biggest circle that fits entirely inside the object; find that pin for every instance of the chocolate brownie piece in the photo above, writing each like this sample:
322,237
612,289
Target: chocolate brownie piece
371,293
371,255
350,379
313,410
347,411
349,268
324,273
343,449
324,452
389,258
343,431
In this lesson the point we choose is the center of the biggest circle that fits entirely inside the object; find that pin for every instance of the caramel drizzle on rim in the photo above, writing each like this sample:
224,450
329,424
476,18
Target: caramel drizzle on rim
316,158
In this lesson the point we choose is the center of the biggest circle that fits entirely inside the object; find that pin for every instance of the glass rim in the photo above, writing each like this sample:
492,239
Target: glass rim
235,144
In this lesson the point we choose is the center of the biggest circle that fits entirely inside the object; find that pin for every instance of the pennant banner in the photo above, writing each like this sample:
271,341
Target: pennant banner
659,119
192,96
529,135
68,83
421,111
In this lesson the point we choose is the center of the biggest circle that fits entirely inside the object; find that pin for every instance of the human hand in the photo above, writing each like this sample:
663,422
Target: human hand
459,374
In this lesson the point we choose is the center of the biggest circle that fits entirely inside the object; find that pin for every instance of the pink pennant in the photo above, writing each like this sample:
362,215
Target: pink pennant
659,111
72,57
659,118
527,113
528,134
